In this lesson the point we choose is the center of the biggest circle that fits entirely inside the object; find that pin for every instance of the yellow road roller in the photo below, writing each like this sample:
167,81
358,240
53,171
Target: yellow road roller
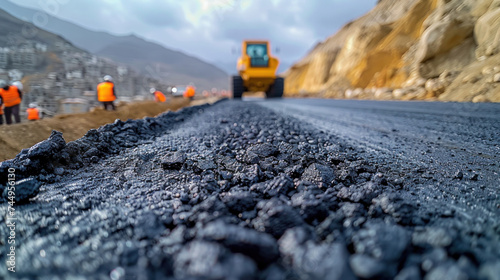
257,71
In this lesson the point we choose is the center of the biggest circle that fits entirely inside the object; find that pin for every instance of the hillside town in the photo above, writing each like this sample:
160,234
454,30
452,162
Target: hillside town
63,80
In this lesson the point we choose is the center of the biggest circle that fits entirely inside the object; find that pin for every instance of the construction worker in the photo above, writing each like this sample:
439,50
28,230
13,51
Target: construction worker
33,112
190,92
159,96
18,84
106,93
11,98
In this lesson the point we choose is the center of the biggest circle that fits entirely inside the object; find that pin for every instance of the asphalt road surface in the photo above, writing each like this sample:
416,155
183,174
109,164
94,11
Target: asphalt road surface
263,189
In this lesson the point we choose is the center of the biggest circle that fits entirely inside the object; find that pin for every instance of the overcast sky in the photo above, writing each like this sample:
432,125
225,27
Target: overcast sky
211,29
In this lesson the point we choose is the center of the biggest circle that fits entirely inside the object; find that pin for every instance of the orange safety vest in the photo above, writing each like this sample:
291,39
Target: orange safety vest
105,92
189,92
11,96
160,97
33,114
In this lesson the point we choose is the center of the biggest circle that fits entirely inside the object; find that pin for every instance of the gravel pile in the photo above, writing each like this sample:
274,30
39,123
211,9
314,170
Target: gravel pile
230,191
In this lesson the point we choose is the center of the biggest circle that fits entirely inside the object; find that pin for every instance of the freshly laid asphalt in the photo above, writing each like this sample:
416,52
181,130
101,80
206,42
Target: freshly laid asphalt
265,189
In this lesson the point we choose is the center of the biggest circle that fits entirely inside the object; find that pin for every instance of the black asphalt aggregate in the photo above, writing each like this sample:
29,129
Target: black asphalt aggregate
264,189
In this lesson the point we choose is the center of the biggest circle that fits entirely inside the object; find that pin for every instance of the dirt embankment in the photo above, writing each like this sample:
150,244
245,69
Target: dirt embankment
16,137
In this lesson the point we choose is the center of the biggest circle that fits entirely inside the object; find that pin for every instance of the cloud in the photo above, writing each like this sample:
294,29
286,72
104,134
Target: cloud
158,13
291,25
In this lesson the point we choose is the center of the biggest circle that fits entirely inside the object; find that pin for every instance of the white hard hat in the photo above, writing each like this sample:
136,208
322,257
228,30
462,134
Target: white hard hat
18,84
108,78
152,90
2,83
32,105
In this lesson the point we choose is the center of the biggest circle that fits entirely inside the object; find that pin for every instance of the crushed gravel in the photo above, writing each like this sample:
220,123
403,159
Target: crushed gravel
233,190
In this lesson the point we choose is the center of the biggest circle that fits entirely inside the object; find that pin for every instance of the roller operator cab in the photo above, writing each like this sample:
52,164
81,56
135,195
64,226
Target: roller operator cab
257,71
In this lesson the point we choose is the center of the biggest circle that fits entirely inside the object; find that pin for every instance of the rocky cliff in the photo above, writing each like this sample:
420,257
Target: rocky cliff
445,50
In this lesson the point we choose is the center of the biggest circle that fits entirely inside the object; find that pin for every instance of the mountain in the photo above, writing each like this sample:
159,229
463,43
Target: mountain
29,49
144,57
15,32
445,50
155,60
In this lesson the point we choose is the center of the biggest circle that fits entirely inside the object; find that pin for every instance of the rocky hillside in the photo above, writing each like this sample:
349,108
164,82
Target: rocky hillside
55,72
445,50
20,36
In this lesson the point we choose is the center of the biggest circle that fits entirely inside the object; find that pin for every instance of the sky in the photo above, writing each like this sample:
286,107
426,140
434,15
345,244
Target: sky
213,29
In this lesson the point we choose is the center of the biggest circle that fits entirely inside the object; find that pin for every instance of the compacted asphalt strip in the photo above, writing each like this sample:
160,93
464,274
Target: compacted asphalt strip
263,189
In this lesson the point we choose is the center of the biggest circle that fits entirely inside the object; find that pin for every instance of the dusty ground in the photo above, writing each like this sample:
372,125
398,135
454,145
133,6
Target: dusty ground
73,126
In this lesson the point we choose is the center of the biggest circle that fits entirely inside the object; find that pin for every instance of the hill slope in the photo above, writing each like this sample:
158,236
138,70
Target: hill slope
15,32
159,63
409,49
52,69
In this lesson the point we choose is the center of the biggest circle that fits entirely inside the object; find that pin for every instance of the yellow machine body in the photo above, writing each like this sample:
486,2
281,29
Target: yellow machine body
256,66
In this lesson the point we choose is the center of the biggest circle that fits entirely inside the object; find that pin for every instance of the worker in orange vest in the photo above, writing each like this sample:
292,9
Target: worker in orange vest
18,84
106,93
33,112
190,92
159,96
11,98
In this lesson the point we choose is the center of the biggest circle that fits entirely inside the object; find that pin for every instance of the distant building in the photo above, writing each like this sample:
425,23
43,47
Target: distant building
46,99
92,70
4,76
24,58
15,74
93,60
4,58
109,69
40,47
74,105
75,74
47,84
125,87
52,75
63,47
122,70
90,94
72,63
